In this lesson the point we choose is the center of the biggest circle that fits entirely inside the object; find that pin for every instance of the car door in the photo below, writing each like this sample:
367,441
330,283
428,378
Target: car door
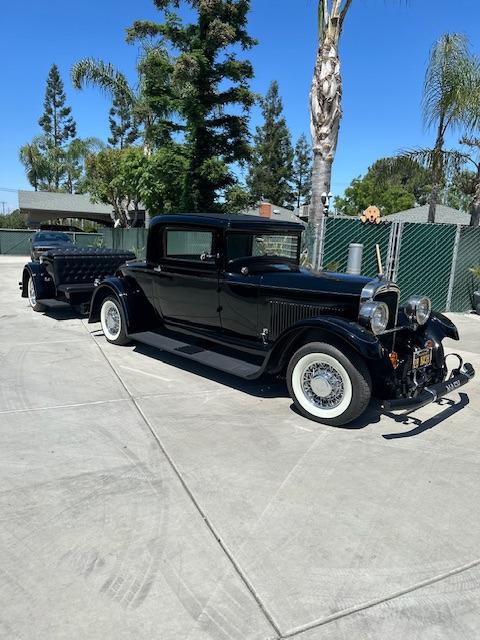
186,278
239,292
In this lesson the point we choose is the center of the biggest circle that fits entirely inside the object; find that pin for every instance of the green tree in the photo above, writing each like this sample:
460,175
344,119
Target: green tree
302,171
211,86
128,178
150,113
392,184
270,171
14,220
123,128
451,100
105,182
237,199
163,179
74,158
57,123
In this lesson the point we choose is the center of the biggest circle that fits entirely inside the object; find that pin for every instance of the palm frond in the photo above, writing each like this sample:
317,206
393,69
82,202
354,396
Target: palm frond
452,161
449,80
91,72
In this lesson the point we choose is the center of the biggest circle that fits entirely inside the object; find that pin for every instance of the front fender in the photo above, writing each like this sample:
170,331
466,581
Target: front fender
439,327
139,313
350,333
42,281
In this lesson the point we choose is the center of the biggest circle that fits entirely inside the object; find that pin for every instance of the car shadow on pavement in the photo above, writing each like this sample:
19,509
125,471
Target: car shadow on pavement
420,426
63,312
264,387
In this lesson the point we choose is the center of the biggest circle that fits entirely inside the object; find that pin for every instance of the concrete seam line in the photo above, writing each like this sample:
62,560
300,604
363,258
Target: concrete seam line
64,406
373,603
196,504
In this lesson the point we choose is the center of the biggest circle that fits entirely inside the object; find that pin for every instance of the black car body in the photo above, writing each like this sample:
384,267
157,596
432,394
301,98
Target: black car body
228,291
44,241
68,275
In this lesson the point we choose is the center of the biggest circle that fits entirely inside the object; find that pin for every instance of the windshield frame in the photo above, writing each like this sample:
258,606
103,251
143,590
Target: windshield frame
252,234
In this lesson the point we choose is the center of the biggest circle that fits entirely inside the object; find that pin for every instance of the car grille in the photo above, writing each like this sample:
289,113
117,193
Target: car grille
390,298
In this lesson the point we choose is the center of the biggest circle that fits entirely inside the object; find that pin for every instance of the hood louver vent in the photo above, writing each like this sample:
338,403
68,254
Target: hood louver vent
286,314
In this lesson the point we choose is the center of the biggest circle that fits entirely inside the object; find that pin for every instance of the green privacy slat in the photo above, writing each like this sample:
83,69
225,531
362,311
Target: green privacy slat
468,256
340,233
426,261
15,242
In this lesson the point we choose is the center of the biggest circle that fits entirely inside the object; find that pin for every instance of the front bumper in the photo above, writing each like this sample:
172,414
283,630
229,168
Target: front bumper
458,379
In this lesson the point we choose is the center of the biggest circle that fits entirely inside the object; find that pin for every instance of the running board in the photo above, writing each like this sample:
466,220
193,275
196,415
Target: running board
202,355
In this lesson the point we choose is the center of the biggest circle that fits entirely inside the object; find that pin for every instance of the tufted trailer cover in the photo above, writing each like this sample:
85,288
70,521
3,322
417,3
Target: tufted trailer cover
80,266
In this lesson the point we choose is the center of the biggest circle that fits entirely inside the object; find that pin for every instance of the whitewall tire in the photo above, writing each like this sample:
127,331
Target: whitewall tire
113,322
328,384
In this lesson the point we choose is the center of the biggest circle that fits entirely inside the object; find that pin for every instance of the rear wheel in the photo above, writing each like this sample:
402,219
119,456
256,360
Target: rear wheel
328,384
113,322
32,296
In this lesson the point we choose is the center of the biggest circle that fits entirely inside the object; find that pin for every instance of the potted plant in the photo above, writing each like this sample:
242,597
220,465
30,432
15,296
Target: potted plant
476,294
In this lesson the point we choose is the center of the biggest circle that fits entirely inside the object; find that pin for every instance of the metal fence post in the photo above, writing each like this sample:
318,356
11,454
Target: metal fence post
454,268
319,243
393,253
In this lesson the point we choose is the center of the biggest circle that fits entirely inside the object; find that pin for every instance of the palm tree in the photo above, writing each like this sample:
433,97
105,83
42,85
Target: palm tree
326,98
115,84
34,162
450,100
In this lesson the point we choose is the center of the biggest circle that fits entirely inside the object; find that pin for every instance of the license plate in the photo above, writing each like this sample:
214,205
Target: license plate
422,358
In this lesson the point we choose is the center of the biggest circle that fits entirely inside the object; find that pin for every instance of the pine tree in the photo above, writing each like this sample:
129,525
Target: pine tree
57,123
209,80
123,128
270,171
302,171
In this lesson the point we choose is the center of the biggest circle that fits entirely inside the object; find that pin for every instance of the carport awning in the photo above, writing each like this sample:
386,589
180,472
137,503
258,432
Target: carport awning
39,206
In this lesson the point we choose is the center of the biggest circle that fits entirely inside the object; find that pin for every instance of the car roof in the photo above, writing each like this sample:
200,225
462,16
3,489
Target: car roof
226,220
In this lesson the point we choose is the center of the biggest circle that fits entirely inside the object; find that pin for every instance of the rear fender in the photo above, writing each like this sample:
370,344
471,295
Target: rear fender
42,281
139,313
330,329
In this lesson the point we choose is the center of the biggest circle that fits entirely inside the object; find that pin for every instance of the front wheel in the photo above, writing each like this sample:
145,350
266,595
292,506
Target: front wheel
329,385
113,322
32,296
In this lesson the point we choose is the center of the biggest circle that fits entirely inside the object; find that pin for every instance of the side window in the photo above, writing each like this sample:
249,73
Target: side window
189,245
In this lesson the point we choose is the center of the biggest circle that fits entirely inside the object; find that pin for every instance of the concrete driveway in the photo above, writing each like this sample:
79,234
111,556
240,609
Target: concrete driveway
144,497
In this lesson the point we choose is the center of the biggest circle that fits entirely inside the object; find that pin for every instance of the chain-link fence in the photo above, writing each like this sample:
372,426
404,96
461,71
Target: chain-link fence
434,260
126,240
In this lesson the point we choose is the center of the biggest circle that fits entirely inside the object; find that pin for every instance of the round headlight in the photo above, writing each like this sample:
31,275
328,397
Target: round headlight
419,309
374,316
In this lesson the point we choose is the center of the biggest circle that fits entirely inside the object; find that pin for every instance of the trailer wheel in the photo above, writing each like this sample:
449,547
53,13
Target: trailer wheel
32,296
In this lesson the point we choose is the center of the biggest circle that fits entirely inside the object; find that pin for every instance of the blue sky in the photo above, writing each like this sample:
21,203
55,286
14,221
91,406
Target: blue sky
385,49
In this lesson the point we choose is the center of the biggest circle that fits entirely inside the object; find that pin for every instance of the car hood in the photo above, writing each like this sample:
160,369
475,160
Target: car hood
316,282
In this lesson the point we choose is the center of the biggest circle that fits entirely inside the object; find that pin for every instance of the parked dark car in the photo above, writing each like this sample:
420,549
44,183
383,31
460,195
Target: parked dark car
43,241
68,275
227,291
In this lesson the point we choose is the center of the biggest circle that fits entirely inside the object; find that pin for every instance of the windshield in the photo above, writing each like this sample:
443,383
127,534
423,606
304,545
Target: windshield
48,236
245,245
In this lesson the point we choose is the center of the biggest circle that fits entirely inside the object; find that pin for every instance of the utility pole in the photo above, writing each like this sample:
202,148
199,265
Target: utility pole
3,203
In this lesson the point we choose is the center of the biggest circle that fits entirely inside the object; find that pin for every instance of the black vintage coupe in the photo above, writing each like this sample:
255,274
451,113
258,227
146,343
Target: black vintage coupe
228,291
